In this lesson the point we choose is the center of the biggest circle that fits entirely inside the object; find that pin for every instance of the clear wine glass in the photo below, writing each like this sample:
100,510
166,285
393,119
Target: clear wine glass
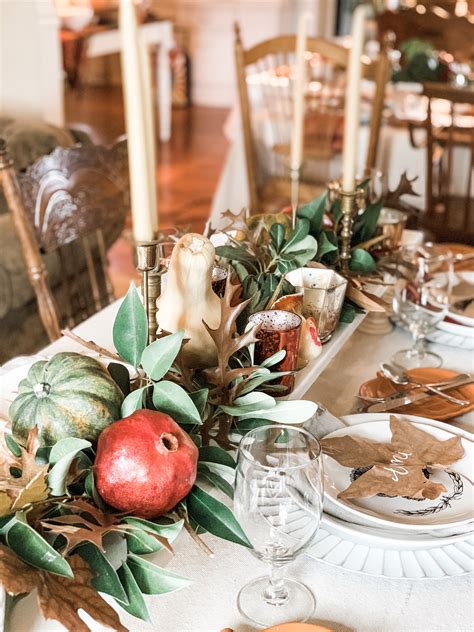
278,501
421,300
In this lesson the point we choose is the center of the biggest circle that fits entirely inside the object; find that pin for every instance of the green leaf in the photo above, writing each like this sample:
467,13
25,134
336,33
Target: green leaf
235,253
277,234
214,454
92,492
299,233
133,402
325,246
243,426
158,357
347,313
33,549
274,359
240,270
366,224
200,399
153,580
169,531
120,375
105,578
130,331
61,456
294,411
172,399
215,480
249,403
361,261
142,543
136,604
255,382
215,517
12,444
314,212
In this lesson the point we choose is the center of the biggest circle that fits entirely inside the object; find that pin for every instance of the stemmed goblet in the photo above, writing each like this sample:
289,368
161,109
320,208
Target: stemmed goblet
421,300
278,502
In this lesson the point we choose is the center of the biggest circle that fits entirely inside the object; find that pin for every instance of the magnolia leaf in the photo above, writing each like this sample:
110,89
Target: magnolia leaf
277,234
303,250
314,212
348,313
158,357
133,402
325,245
215,455
141,542
366,224
297,236
361,261
105,578
136,604
293,411
32,548
172,399
169,531
61,456
213,516
120,375
200,399
152,579
215,480
130,331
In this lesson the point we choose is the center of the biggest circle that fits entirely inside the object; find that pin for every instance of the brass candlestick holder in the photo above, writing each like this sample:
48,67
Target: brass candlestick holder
148,265
351,202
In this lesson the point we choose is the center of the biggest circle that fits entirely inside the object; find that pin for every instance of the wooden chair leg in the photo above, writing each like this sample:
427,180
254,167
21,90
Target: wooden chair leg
29,245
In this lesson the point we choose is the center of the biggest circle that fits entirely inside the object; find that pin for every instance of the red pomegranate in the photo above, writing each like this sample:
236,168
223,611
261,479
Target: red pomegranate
145,464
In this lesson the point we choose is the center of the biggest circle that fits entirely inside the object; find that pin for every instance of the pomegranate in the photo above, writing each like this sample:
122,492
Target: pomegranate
145,464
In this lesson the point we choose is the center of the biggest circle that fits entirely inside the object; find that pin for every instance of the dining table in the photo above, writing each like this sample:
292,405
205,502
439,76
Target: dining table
346,600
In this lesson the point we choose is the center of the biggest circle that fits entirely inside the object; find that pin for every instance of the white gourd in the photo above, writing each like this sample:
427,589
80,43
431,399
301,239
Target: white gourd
189,299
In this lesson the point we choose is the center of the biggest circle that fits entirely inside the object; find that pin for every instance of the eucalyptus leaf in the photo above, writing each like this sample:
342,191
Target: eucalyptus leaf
214,516
214,454
133,402
361,261
152,579
62,455
158,357
172,399
105,578
33,549
294,411
256,401
274,359
130,331
255,382
136,604
234,253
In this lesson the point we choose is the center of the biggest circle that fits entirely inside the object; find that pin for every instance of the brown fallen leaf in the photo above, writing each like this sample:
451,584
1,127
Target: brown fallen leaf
396,468
59,598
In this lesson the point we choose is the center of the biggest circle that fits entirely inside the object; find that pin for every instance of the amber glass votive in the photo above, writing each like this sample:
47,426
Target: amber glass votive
279,330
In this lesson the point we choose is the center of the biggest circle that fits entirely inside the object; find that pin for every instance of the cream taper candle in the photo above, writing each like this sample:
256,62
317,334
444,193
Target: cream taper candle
298,93
352,105
136,125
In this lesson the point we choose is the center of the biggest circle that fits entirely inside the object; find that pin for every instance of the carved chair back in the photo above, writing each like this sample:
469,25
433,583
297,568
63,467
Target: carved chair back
72,202
450,162
266,104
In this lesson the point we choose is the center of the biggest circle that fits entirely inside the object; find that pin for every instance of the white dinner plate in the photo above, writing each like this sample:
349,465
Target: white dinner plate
452,510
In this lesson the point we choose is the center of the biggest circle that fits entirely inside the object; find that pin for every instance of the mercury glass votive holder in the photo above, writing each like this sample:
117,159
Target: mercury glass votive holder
279,330
391,224
219,280
323,295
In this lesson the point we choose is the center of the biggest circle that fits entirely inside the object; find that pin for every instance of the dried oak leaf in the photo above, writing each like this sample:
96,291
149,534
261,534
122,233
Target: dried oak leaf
396,468
59,598
76,527
227,340
31,485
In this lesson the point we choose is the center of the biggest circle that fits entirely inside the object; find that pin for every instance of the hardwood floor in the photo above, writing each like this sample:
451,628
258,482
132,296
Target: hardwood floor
188,167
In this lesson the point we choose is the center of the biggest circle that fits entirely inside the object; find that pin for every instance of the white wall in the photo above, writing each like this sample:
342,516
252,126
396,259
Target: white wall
30,61
210,23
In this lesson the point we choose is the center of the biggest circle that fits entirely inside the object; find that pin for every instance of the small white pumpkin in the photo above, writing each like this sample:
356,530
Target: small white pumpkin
189,299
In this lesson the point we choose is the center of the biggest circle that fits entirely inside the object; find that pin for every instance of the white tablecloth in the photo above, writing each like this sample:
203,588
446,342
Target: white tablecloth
349,601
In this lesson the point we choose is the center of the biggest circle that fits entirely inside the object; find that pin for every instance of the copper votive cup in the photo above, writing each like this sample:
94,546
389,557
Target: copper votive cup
279,330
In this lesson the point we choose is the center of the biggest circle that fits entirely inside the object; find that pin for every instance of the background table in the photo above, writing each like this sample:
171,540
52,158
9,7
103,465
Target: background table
349,601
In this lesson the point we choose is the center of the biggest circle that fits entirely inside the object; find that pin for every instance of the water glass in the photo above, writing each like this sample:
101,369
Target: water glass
421,300
278,501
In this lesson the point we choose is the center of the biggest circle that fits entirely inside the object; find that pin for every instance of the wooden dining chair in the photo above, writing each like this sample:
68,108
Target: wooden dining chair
450,163
265,69
73,203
